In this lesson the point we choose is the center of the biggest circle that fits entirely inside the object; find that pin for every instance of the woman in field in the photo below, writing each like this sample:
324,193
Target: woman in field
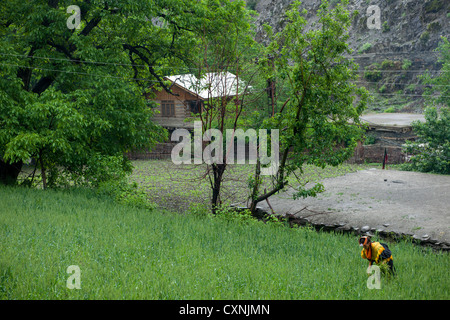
376,252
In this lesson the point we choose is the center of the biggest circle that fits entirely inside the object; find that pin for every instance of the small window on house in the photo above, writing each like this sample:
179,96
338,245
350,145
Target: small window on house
194,106
168,108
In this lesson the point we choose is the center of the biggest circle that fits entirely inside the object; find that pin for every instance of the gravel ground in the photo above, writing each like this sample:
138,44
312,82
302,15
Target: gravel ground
412,203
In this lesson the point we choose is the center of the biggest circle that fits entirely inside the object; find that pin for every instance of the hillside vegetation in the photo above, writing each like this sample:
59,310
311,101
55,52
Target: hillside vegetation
391,58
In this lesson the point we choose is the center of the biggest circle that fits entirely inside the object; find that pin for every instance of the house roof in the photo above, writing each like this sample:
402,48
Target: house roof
210,85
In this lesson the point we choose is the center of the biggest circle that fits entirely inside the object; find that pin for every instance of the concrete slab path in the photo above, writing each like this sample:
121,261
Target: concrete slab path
412,203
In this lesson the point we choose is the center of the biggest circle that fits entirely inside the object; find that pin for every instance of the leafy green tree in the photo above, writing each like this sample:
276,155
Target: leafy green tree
431,151
73,99
439,91
319,121
225,57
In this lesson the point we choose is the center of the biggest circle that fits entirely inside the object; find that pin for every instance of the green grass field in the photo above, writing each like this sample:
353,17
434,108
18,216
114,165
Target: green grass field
128,253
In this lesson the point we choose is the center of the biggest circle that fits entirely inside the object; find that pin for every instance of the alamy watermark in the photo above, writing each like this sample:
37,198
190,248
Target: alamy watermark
190,150
374,280
74,281
73,22
373,17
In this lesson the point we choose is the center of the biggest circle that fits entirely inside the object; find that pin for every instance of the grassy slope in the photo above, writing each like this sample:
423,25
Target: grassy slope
128,253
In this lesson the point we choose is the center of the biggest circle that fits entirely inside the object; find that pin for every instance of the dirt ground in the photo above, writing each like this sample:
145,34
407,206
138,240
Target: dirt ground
412,203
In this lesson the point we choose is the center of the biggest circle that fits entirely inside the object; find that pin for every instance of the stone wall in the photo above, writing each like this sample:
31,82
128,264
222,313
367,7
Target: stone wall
159,152
375,154
388,137
346,229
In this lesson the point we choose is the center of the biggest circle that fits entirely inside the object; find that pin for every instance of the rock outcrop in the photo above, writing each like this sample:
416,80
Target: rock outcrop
408,34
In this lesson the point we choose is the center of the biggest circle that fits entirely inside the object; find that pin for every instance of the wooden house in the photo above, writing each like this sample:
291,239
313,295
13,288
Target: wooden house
187,96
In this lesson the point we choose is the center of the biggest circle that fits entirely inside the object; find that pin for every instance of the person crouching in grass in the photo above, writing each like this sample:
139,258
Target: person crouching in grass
376,252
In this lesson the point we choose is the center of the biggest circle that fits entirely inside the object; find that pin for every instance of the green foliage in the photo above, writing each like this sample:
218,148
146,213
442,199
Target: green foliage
387,64
369,139
439,93
126,193
431,151
233,215
251,4
333,3
365,47
406,64
424,37
384,269
390,109
318,122
312,192
434,27
411,87
433,6
242,216
69,96
226,44
372,72
385,27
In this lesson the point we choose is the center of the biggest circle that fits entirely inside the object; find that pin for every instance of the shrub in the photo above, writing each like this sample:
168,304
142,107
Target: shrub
425,36
431,151
434,6
388,64
228,213
251,4
333,3
439,93
125,193
434,27
411,88
244,216
390,110
365,47
406,64
370,139
372,72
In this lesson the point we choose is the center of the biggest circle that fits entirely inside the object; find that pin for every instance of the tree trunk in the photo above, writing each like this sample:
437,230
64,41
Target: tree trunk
218,171
43,173
280,183
255,190
9,172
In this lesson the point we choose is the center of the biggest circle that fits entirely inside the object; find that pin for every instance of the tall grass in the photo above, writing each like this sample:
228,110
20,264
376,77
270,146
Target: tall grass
130,253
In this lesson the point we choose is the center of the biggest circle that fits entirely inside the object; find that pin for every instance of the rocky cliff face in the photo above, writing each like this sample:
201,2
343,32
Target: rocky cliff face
390,57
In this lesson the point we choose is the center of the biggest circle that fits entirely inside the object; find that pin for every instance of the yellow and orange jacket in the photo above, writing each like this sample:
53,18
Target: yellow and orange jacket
376,252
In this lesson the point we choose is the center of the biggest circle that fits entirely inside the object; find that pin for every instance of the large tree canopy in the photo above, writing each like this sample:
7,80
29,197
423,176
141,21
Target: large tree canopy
73,98
431,151
319,120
